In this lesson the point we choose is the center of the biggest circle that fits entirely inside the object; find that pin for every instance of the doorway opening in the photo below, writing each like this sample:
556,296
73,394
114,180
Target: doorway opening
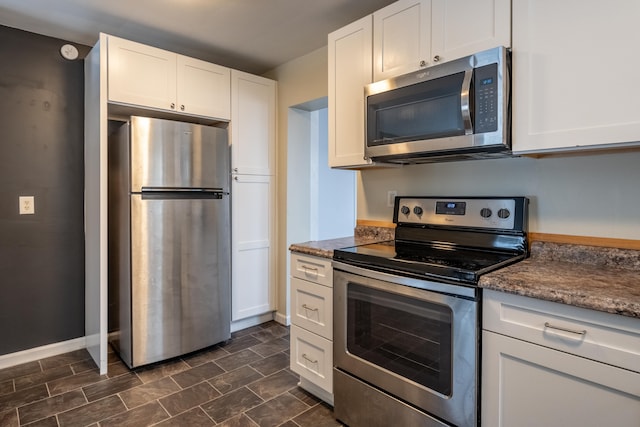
321,202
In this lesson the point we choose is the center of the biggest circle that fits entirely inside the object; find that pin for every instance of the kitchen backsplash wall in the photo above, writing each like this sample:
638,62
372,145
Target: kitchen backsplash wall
41,155
594,195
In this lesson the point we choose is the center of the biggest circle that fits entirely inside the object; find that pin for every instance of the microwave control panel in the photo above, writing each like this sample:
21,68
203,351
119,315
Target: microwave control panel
486,99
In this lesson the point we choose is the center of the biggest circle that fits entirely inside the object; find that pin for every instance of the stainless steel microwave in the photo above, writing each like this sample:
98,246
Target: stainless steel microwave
456,110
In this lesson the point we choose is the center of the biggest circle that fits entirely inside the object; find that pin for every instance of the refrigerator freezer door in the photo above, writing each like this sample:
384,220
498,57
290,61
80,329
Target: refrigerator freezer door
180,275
169,154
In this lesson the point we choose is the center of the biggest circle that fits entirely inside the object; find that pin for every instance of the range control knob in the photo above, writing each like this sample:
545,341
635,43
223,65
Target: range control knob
417,210
405,210
504,213
485,212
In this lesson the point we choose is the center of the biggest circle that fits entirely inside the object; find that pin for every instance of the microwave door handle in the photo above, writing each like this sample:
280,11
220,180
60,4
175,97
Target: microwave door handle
465,99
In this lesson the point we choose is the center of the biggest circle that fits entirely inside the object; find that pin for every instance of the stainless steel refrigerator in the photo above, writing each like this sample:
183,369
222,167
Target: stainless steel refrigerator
169,239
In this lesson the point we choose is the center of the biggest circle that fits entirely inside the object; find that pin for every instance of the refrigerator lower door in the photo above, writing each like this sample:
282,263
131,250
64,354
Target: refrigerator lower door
180,276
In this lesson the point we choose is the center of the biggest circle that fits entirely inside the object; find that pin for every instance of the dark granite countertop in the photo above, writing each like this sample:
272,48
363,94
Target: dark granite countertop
603,279
325,248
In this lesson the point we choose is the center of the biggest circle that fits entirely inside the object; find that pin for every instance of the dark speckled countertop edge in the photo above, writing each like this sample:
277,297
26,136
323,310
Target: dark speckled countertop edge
325,248
601,279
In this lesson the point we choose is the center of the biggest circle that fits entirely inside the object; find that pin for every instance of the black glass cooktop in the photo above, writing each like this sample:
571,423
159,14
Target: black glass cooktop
438,261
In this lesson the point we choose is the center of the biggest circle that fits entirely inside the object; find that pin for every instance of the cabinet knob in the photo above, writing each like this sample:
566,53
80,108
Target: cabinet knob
235,169
235,177
173,106
423,63
182,107
436,58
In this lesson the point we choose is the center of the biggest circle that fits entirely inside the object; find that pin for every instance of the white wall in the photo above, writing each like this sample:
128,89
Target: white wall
333,191
299,81
594,195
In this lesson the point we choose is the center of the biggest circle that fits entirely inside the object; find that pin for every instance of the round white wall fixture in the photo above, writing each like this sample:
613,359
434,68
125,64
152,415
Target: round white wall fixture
69,51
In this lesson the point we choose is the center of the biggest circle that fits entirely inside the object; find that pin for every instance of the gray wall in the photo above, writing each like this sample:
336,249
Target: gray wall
41,155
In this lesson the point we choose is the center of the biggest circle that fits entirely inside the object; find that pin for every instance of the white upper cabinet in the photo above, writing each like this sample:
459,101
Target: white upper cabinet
410,34
253,124
462,27
203,89
148,77
401,38
349,71
140,74
574,75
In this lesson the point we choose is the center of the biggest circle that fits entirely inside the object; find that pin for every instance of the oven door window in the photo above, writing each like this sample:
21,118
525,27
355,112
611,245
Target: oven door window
407,336
427,110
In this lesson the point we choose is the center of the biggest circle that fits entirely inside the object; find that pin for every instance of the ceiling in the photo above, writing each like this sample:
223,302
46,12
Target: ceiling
250,35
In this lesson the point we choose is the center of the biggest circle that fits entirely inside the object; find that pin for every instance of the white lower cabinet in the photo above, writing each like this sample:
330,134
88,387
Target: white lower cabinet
548,364
312,324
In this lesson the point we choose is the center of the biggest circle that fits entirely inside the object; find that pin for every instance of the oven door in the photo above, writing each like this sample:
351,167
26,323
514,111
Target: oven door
418,345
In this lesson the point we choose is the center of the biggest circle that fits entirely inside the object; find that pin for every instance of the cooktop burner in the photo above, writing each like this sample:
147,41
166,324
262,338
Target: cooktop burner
449,240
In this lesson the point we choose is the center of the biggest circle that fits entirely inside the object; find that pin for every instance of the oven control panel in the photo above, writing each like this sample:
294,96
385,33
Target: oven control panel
494,213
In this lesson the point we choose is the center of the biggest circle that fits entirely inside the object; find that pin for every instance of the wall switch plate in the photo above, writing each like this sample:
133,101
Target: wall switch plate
27,206
391,198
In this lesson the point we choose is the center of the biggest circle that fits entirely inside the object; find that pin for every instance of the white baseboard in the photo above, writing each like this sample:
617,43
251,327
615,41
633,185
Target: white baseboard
251,321
282,319
37,353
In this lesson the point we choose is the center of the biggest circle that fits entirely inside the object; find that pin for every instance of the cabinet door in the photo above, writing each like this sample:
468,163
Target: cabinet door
574,74
253,124
461,27
524,384
141,75
401,38
252,253
204,89
349,71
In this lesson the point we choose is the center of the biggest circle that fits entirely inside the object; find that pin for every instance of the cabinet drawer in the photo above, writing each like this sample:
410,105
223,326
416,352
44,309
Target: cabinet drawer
312,307
311,268
600,336
312,357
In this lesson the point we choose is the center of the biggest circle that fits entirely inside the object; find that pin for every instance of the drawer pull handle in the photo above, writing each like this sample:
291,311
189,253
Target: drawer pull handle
306,307
304,356
308,271
559,328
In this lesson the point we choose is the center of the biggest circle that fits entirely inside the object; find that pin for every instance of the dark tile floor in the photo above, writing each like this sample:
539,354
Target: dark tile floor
245,382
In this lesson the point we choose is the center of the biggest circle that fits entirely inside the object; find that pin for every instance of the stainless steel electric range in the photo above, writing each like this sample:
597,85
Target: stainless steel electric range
407,311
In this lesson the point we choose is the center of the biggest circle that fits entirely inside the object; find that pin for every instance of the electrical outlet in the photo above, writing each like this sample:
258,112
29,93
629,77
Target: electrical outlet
391,198
27,206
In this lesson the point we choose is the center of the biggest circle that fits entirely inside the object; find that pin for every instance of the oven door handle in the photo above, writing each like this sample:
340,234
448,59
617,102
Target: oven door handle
469,292
465,102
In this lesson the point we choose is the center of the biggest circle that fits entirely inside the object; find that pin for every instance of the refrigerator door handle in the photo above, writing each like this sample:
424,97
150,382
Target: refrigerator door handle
157,193
181,190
